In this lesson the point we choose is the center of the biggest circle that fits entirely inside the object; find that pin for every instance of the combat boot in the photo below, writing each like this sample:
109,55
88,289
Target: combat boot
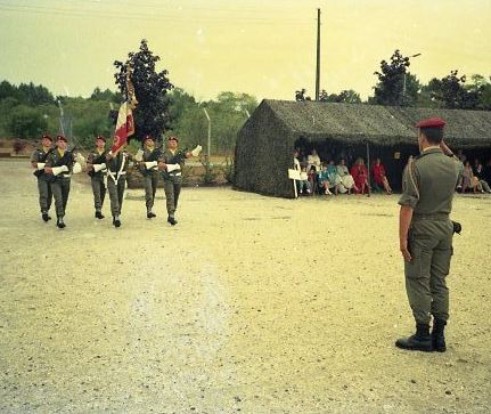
438,336
45,216
171,220
99,215
60,223
420,341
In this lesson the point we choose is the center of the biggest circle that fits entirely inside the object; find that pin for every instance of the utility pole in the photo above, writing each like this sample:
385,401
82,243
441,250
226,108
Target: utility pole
318,66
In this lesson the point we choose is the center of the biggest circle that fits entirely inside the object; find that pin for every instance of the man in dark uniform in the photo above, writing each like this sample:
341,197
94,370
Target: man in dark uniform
425,232
96,168
148,168
171,162
38,160
117,166
59,167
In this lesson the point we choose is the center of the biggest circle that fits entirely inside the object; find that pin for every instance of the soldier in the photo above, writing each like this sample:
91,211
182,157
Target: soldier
117,165
171,163
148,168
96,168
38,160
425,232
59,167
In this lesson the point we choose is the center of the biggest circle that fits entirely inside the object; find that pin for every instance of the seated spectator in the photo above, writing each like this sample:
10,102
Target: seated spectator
379,176
312,177
360,175
469,181
479,171
303,185
486,172
324,180
314,161
334,179
346,178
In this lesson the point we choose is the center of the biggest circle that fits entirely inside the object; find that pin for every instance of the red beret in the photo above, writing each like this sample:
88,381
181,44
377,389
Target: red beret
431,123
173,137
101,137
47,137
61,138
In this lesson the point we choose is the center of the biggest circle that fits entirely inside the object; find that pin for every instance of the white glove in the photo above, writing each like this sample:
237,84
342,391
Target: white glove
196,151
151,165
77,168
40,165
59,170
139,155
173,167
99,167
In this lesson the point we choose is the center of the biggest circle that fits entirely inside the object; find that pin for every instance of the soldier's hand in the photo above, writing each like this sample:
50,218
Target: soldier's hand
162,166
405,251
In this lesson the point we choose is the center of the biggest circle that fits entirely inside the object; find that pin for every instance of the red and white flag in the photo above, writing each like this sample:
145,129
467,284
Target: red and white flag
125,127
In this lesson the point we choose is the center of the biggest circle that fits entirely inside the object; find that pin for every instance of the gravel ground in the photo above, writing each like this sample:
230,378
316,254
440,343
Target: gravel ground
250,304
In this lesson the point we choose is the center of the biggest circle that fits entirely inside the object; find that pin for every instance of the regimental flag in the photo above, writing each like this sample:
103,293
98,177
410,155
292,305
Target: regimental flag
125,125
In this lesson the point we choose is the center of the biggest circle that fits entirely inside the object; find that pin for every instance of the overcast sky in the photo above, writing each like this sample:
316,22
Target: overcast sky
265,48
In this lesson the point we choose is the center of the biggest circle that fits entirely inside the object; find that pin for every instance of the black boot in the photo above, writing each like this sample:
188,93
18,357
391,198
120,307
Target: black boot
171,220
60,223
99,215
420,341
438,336
45,216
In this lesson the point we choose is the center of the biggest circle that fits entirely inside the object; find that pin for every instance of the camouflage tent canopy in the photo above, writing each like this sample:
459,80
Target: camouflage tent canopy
265,143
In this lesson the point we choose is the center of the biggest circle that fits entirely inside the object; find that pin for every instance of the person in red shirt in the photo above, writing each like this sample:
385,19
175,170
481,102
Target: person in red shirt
360,175
379,177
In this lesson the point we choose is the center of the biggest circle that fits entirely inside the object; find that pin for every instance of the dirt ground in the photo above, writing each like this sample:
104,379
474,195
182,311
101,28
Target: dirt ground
250,304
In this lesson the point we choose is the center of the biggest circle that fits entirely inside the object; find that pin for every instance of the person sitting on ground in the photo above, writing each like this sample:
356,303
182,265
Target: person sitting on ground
346,178
360,175
379,176
314,160
324,180
304,183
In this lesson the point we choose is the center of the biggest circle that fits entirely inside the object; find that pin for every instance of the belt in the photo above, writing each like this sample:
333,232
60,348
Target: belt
116,173
431,216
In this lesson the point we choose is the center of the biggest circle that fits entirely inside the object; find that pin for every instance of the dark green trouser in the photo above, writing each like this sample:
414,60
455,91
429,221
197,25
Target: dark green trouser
116,194
99,192
45,195
430,244
150,184
60,188
172,189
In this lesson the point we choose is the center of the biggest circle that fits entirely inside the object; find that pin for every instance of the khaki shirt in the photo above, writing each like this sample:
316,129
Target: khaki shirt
428,183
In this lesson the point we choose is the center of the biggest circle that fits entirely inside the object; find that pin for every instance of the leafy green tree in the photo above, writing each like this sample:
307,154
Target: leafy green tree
106,95
395,85
345,96
451,92
26,122
151,88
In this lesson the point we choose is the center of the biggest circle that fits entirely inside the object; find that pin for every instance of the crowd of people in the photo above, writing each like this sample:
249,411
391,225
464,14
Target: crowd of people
54,165
330,178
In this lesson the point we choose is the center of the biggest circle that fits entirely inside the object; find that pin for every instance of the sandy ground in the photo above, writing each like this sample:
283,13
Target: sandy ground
250,304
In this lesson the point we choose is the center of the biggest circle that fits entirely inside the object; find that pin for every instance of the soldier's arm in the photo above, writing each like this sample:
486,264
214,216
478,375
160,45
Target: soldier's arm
405,217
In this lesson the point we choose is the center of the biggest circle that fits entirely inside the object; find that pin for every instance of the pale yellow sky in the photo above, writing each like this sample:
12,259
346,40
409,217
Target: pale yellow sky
263,48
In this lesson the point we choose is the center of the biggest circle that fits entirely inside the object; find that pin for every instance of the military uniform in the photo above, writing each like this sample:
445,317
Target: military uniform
172,180
60,184
38,159
150,178
98,179
116,183
428,186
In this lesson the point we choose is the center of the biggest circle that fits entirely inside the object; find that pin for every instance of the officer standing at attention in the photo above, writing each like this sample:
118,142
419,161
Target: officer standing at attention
59,166
148,168
38,160
425,232
171,163
96,168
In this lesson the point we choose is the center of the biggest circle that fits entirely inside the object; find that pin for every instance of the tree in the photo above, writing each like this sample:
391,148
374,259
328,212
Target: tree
151,87
395,84
450,92
106,95
26,122
345,96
